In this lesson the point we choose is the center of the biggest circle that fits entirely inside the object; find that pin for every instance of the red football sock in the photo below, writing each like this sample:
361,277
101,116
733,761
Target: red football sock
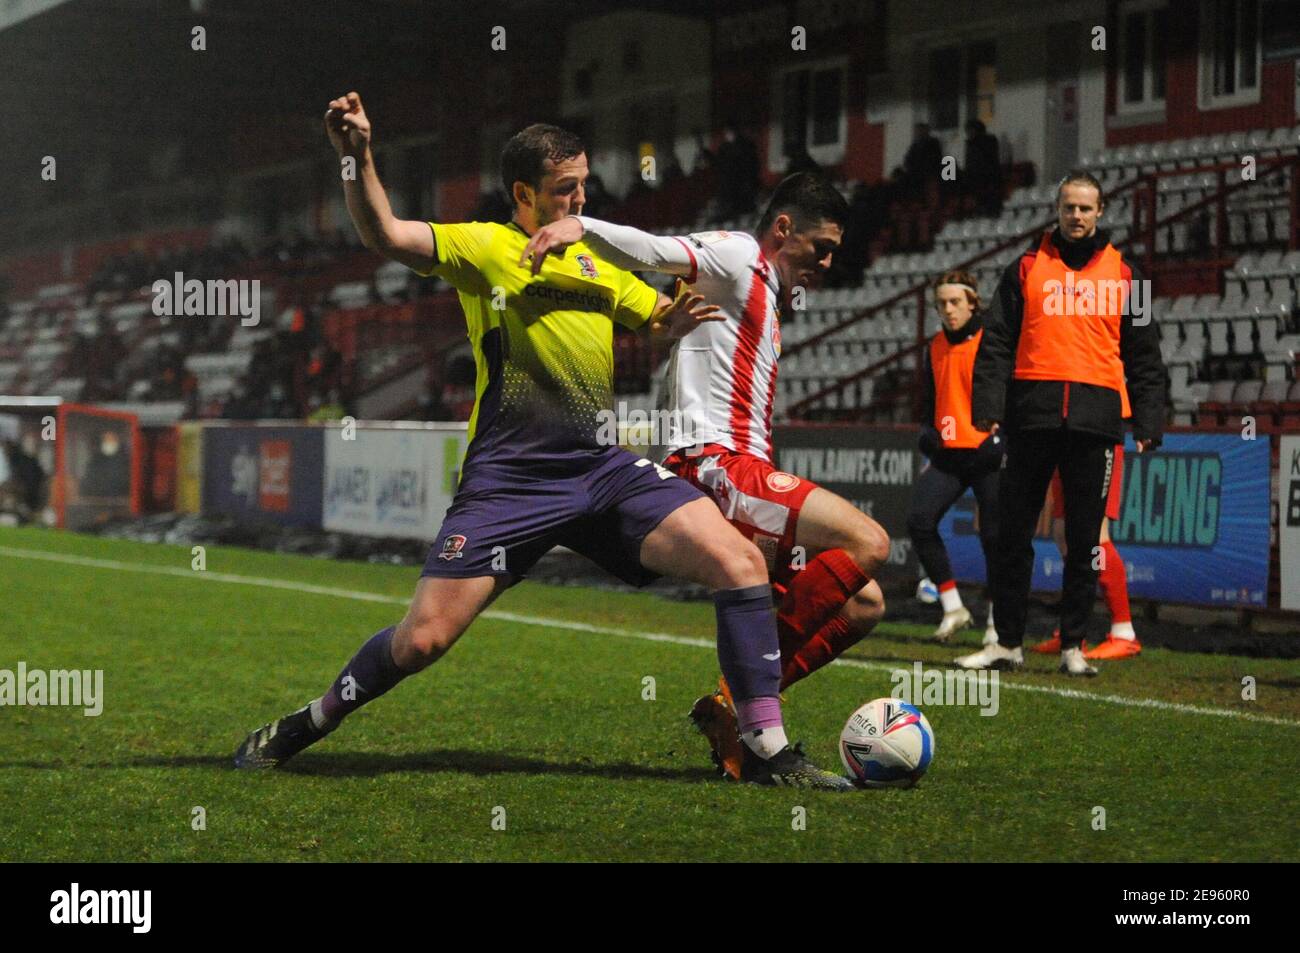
787,638
1114,584
819,591
833,638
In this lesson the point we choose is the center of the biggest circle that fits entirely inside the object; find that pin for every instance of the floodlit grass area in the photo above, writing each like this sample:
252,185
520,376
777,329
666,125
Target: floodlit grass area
546,724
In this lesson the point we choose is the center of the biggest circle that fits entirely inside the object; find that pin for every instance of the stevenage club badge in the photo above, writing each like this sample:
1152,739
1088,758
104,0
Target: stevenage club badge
780,482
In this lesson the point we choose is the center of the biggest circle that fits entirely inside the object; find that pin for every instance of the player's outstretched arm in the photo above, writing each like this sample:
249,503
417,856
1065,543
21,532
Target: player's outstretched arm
410,243
629,248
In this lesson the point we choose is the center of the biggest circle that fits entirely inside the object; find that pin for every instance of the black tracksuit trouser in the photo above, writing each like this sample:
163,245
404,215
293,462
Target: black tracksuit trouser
938,487
1086,462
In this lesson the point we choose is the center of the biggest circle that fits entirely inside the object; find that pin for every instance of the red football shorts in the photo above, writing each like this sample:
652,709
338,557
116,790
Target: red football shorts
1112,495
757,498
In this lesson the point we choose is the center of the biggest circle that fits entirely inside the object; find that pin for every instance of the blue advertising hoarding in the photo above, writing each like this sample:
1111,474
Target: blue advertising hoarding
264,474
1193,524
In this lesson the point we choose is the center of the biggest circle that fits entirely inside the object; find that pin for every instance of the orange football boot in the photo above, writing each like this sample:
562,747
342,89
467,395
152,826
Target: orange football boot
1114,648
715,717
1050,646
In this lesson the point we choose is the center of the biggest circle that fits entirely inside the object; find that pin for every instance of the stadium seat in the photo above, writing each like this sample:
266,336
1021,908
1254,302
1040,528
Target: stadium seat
1179,375
1243,405
1221,391
1190,152
1268,403
1282,139
1288,272
54,292
352,294
393,281
1213,147
1247,392
1266,328
1214,406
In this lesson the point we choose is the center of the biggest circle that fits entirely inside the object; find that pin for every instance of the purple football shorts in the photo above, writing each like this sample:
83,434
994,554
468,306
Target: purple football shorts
602,510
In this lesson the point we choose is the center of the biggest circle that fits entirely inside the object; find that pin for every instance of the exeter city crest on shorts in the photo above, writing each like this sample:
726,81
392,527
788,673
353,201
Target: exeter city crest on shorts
587,267
452,548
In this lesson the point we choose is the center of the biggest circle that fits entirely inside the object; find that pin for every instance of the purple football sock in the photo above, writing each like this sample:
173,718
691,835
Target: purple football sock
748,651
758,713
369,674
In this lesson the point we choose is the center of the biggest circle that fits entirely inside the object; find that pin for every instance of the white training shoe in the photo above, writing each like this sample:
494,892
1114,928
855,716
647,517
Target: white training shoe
953,621
990,630
1073,663
927,592
993,656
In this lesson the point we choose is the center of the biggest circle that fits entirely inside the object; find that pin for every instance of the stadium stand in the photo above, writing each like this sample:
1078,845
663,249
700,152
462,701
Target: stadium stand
1224,264
1223,348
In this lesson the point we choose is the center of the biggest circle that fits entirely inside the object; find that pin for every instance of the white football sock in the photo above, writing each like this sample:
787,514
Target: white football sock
318,720
950,599
1122,630
765,742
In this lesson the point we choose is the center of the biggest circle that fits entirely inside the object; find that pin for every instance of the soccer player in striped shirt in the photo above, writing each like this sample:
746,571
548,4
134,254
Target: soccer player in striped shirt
535,474
822,552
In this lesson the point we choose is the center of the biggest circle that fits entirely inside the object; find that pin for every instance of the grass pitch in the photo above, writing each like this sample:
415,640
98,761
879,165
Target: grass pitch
540,718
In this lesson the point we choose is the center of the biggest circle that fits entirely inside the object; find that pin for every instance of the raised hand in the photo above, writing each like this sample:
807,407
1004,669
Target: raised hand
348,126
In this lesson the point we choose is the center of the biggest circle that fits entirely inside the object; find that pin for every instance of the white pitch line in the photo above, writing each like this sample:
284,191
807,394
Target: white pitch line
573,626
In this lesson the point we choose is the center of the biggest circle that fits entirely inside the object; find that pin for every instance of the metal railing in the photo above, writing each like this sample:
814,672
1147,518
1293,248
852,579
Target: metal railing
1143,230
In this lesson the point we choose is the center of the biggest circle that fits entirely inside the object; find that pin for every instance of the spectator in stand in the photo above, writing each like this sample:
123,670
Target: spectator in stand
597,194
242,404
491,207
923,163
670,167
431,406
323,371
108,473
1199,236
190,394
9,490
277,405
737,173
331,408
799,160
97,362
458,391
26,469
848,264
983,170
704,156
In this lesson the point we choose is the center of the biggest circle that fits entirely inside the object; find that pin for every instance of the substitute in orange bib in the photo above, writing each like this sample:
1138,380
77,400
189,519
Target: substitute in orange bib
959,455
1069,327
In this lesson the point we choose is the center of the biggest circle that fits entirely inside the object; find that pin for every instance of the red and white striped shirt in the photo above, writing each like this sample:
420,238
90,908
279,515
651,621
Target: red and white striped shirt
721,379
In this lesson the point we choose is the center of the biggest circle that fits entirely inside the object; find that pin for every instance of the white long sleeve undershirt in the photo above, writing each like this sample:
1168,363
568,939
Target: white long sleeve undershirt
634,249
